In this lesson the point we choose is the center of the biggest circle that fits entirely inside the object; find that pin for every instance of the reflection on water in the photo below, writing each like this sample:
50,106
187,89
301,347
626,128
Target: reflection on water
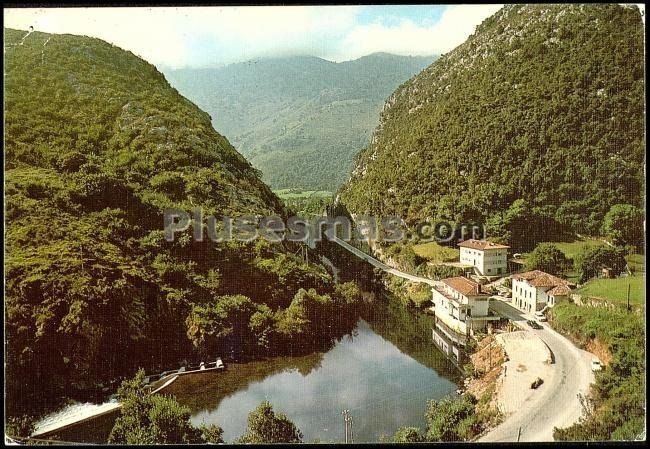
382,387
384,373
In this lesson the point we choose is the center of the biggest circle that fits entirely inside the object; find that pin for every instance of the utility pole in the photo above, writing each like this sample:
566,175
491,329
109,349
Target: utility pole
628,296
347,422
490,354
519,435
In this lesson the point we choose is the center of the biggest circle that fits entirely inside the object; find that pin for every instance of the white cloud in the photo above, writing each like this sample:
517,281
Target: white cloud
407,38
204,36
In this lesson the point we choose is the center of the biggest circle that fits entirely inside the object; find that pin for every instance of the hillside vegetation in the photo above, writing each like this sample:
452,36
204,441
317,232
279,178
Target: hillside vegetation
300,120
543,104
97,145
616,409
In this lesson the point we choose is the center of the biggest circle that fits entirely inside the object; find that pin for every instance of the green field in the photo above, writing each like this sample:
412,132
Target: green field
571,249
436,253
616,289
636,263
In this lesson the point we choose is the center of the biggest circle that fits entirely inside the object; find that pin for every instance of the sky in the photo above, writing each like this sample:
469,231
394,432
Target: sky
176,37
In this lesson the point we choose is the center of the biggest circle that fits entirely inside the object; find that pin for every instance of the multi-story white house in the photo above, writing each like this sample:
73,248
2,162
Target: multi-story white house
534,290
487,258
461,304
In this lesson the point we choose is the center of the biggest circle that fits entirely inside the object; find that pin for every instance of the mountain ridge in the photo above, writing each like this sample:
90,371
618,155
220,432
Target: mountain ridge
303,112
515,112
98,145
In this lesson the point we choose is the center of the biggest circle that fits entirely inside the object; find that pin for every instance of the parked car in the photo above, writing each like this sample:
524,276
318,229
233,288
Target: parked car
539,315
534,324
596,365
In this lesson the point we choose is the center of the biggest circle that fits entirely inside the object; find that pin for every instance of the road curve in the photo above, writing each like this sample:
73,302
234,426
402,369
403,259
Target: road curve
557,404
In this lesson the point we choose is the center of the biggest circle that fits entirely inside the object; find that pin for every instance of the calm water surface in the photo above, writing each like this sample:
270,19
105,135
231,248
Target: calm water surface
384,373
365,373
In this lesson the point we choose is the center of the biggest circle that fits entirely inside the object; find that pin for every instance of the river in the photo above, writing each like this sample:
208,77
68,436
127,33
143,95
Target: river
383,373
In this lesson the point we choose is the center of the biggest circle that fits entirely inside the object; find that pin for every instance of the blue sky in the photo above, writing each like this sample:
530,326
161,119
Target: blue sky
171,37
392,14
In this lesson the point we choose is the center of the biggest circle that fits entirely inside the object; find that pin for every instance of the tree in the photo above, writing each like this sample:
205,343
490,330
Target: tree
154,419
211,433
547,257
591,260
20,426
222,325
518,225
347,293
262,326
451,419
408,435
265,426
624,224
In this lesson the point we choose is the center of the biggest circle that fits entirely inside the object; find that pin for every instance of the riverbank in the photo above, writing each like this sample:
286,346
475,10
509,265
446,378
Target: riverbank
386,363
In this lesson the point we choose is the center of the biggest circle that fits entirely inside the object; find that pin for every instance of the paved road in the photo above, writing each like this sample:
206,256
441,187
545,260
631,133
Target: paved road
382,266
556,402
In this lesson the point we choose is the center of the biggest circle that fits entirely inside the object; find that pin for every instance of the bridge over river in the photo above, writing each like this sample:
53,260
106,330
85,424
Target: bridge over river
382,266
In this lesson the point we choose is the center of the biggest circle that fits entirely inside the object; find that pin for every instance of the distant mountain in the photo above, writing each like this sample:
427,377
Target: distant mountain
301,119
543,103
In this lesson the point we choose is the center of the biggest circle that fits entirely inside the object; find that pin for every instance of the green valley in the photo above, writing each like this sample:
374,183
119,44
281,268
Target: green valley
300,120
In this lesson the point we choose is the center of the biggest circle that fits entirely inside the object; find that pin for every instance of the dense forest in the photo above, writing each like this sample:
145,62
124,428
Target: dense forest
303,113
542,108
97,145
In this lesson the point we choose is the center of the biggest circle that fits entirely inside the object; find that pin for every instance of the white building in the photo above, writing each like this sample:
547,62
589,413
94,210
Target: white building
461,305
487,258
534,290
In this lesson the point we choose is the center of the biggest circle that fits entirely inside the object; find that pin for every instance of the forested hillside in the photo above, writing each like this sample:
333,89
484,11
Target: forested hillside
97,145
541,109
300,120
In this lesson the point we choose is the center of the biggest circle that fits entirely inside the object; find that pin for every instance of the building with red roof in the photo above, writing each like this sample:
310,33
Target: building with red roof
534,290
